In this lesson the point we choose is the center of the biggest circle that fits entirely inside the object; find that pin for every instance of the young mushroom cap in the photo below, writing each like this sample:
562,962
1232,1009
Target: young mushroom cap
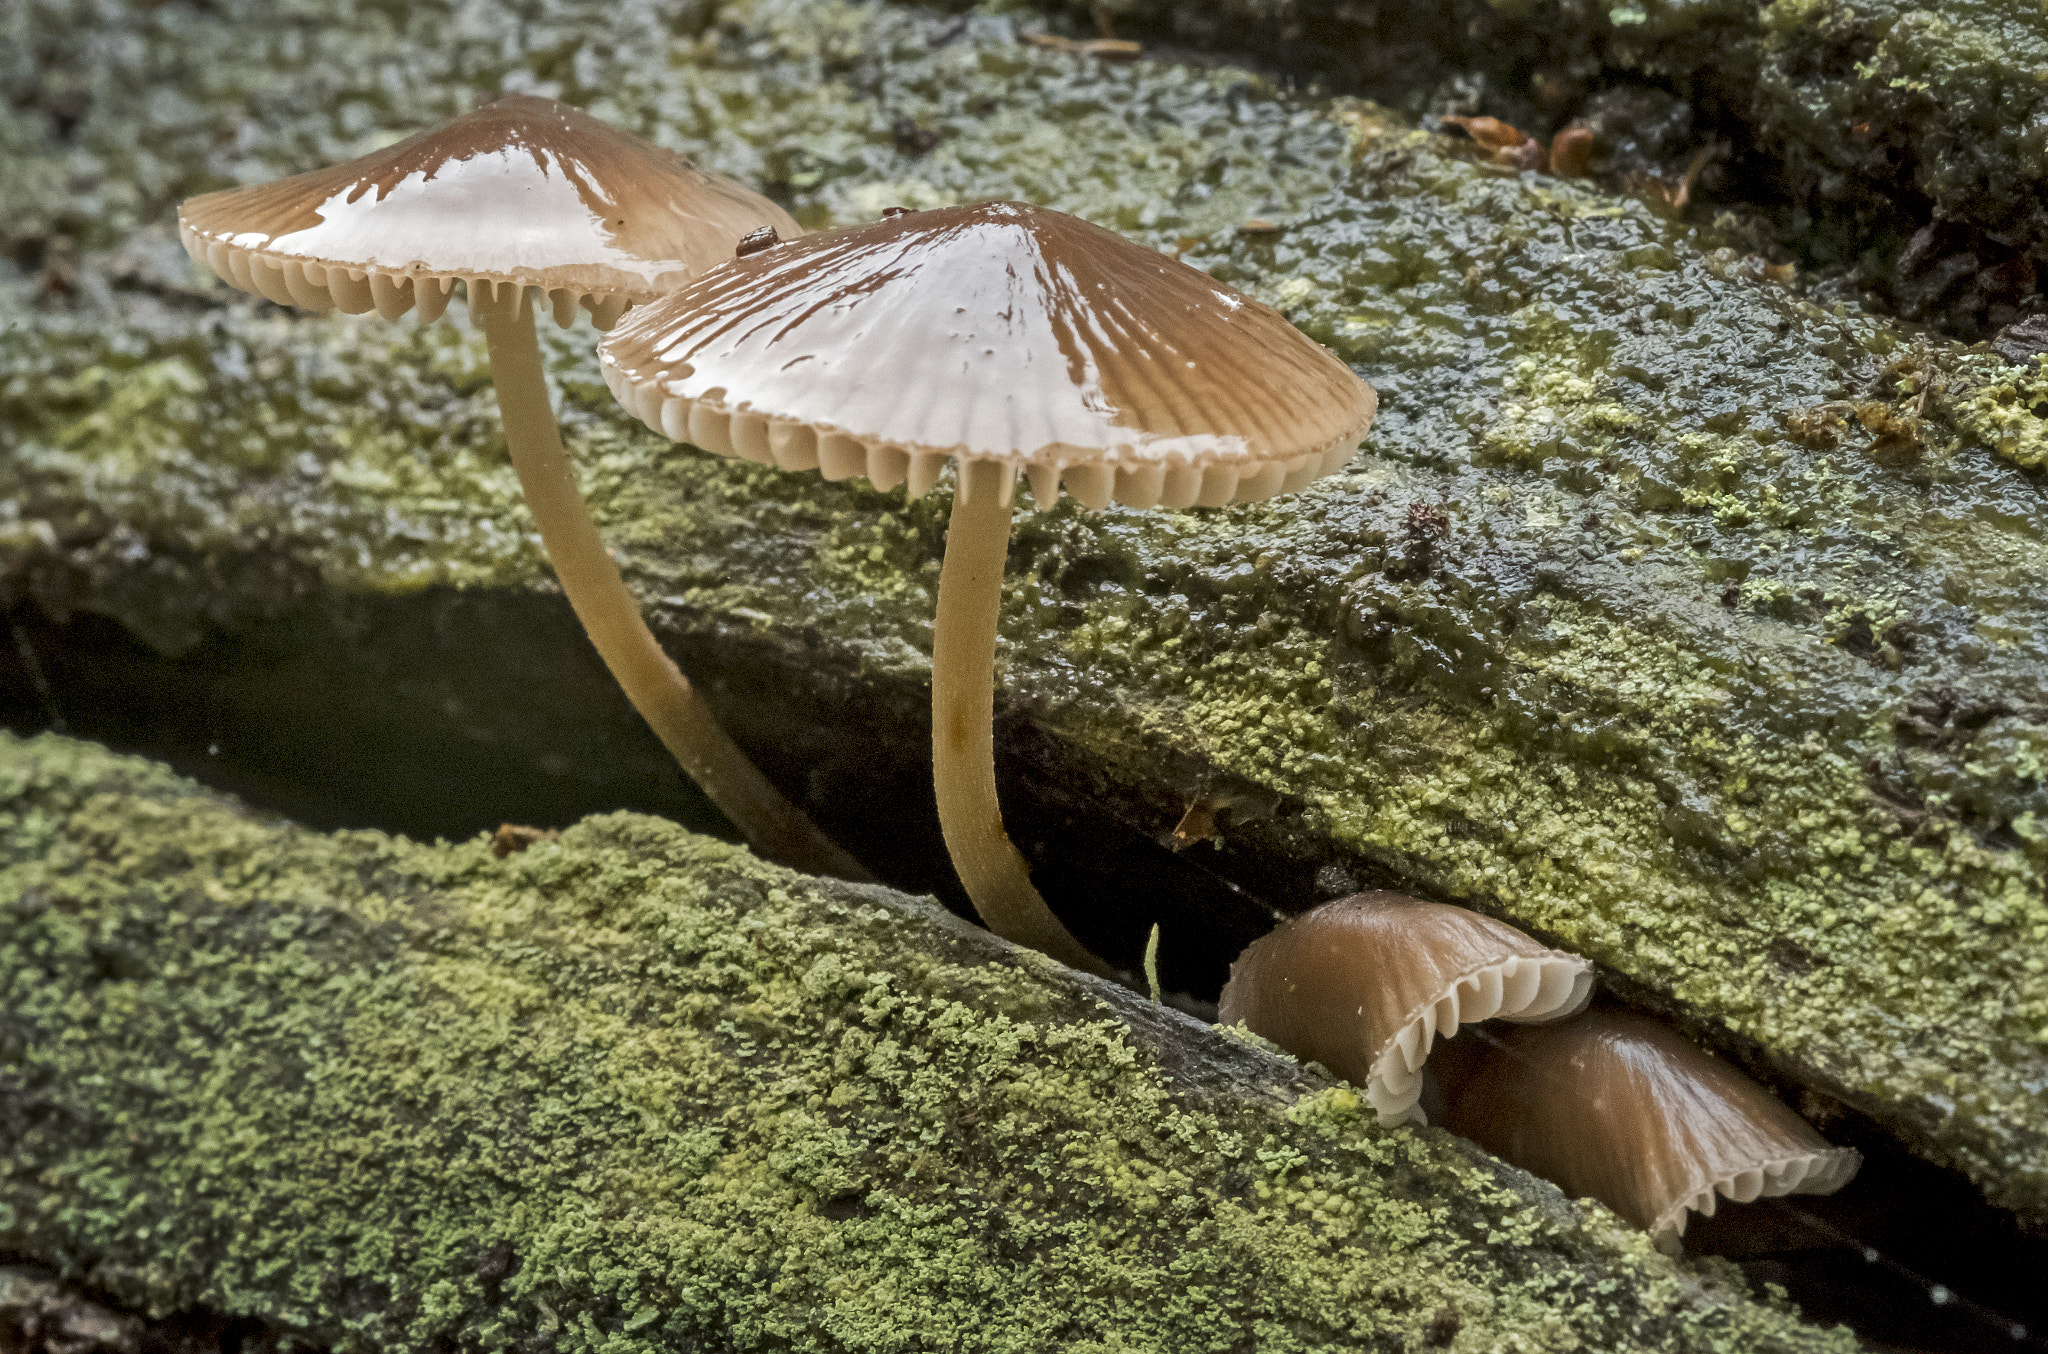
524,192
1365,985
1616,1107
995,332
1006,337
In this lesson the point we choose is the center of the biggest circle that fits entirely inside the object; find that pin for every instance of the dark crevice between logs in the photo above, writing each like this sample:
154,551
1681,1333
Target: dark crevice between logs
41,1314
446,714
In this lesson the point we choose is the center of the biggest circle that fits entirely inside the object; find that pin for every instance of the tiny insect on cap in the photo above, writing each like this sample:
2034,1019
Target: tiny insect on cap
524,192
994,332
1365,985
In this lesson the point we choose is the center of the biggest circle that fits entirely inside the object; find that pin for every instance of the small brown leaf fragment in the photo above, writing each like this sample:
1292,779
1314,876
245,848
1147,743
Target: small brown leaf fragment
1259,225
1113,49
1425,525
1504,144
1491,133
511,838
1571,152
1197,824
1109,49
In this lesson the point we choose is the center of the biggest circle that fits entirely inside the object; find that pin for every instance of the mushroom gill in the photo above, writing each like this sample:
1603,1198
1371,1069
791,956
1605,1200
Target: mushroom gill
1615,1107
1365,985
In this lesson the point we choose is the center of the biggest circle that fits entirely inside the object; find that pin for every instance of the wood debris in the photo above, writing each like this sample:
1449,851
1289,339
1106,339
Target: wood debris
1109,49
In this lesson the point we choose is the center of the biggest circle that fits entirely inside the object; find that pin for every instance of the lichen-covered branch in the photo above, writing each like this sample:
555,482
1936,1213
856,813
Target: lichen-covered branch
1697,625
1898,143
635,1090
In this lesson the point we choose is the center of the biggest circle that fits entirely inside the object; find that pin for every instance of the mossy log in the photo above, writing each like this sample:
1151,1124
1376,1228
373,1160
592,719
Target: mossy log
1691,624
1850,127
634,1090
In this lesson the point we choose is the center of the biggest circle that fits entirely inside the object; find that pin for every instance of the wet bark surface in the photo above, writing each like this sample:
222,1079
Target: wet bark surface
631,1089
1686,618
1890,148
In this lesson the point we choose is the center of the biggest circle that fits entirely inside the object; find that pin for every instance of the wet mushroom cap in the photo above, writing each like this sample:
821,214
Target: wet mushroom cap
1004,337
1616,1107
525,192
999,331
521,196
1365,985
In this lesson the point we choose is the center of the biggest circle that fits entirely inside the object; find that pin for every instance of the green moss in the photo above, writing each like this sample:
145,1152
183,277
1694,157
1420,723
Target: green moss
634,1089
1707,680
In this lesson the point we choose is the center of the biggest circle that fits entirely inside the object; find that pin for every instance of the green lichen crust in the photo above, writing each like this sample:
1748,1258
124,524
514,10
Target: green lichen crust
636,1090
1858,120
1699,628
2006,406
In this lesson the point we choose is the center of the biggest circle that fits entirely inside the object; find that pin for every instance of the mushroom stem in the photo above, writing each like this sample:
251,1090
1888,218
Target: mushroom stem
963,718
680,717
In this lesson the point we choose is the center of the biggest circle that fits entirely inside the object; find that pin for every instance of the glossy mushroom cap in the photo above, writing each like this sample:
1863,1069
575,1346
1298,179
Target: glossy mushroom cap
999,331
1367,984
1616,1107
525,192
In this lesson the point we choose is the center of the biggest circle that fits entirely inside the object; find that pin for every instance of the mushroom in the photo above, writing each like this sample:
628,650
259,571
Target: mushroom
1365,985
1006,337
1616,1107
522,198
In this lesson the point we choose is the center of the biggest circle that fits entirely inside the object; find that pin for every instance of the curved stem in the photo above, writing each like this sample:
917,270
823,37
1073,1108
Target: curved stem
680,717
963,716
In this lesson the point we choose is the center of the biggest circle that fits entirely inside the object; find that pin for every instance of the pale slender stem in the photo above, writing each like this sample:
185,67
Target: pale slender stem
963,715
776,828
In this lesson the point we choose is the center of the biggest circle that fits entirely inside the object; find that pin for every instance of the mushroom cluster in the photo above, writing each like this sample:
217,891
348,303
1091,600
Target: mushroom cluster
1007,340
525,202
1604,1103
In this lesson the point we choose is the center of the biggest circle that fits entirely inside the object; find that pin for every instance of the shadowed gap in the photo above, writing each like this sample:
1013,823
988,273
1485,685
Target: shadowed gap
444,714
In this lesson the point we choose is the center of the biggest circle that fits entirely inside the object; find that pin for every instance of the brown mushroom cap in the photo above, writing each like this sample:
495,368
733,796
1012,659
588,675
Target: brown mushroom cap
1366,984
1616,1107
999,331
526,192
